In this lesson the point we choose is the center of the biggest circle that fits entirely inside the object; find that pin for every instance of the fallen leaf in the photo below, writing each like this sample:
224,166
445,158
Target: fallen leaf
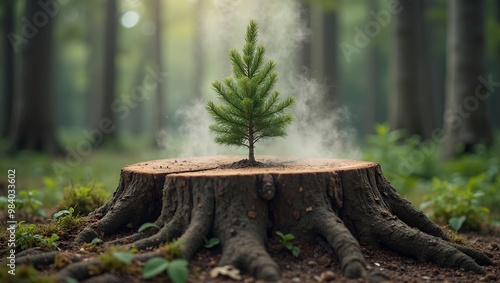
227,270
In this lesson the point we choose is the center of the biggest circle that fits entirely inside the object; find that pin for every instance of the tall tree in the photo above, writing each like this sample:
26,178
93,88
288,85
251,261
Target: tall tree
409,98
107,118
304,59
466,119
94,34
34,123
159,125
9,70
199,56
330,43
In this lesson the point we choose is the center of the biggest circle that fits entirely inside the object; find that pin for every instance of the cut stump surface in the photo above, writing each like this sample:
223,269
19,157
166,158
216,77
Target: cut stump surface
345,202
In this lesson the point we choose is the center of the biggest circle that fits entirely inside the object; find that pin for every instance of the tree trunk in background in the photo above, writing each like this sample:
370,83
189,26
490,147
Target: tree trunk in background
409,101
425,97
93,37
372,103
466,119
160,116
317,42
9,70
304,60
107,116
199,57
34,123
330,45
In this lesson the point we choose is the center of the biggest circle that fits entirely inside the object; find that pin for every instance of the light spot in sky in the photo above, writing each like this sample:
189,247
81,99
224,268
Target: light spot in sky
130,19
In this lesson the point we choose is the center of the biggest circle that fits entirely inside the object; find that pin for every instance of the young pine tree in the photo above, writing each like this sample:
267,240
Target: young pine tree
250,111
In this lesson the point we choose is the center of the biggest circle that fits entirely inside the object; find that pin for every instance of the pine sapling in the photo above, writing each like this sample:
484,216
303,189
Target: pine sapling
251,110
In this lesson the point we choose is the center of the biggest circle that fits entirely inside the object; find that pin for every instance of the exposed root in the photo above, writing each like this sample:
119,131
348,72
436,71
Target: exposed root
39,259
345,245
124,208
241,222
78,270
399,237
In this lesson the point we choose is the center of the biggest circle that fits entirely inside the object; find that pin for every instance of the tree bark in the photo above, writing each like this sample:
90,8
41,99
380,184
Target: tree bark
34,121
109,73
159,124
9,70
466,117
409,101
344,201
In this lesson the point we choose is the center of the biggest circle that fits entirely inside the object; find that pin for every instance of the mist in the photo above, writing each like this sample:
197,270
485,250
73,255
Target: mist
316,132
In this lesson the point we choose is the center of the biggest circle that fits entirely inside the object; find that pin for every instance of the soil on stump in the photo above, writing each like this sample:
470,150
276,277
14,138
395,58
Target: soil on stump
342,202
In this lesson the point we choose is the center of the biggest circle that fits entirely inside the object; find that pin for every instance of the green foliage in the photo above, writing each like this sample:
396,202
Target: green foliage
172,250
44,235
171,262
116,259
65,220
31,235
212,242
24,274
177,269
458,203
412,166
27,203
403,159
147,225
84,198
285,240
251,111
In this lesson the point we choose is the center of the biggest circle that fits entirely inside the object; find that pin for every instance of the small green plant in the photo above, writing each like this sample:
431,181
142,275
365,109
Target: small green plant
458,203
285,240
172,250
65,219
31,235
115,260
171,262
27,203
83,198
24,274
212,242
147,225
177,269
251,110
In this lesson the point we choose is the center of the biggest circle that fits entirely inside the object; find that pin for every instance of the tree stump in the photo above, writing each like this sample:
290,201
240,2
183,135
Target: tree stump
346,202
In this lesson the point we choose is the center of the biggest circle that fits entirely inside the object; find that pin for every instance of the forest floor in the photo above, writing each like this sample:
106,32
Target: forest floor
317,263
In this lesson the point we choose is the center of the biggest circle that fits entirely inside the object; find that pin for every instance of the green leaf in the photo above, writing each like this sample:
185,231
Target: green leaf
282,236
177,271
96,241
70,280
288,237
147,225
457,222
295,251
289,245
154,266
60,213
125,257
211,243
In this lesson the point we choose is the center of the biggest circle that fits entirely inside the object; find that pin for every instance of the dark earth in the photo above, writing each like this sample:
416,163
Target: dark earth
316,263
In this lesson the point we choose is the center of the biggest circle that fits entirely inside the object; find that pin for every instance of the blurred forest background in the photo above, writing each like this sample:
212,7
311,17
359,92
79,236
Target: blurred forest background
89,86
